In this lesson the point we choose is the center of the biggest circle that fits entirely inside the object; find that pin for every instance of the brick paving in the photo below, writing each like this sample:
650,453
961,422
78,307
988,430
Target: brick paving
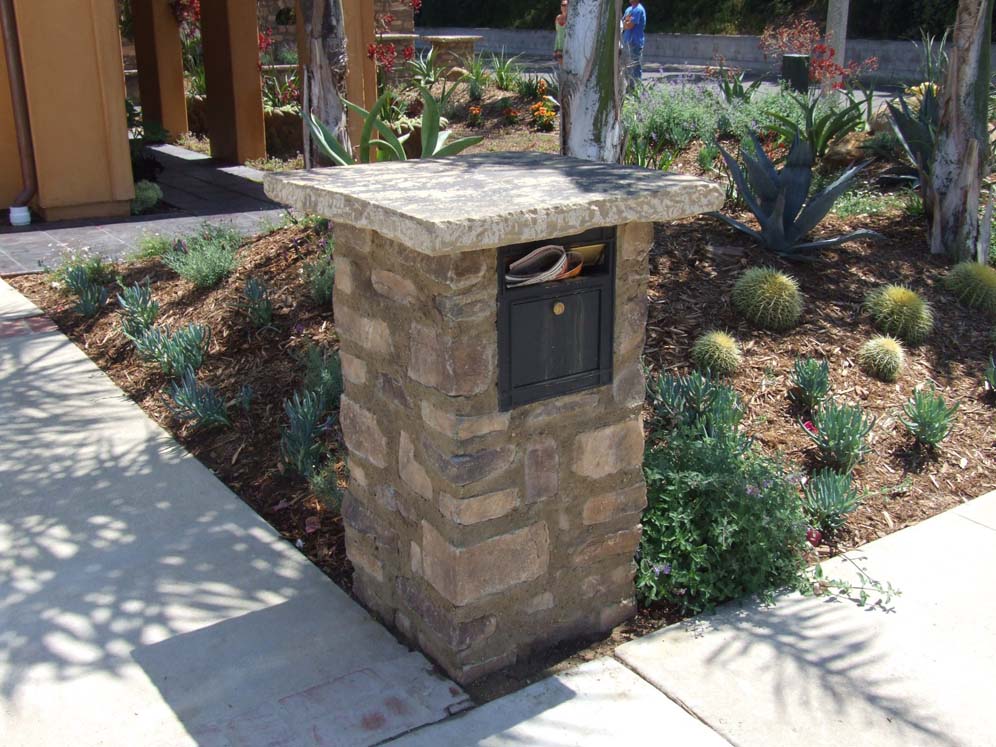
197,188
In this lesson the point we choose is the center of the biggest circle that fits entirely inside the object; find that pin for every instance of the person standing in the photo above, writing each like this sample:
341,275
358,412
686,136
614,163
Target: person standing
634,23
560,28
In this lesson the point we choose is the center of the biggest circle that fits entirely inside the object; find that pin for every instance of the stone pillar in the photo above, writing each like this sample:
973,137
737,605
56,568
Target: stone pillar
159,56
482,535
231,66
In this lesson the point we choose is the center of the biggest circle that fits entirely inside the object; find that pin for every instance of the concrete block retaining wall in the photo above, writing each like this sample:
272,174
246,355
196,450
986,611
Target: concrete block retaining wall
898,60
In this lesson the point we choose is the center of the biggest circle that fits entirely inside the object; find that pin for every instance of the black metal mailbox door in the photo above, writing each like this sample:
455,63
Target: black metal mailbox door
555,338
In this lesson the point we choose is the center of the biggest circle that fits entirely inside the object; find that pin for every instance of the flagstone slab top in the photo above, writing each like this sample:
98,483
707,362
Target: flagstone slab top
451,205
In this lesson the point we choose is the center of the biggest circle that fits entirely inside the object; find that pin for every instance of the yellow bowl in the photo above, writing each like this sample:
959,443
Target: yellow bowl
591,253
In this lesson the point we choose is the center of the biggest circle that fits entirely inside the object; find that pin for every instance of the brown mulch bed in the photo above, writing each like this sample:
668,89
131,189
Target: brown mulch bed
694,264
246,457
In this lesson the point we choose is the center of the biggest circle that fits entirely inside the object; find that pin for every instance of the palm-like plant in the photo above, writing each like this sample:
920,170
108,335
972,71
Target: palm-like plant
385,145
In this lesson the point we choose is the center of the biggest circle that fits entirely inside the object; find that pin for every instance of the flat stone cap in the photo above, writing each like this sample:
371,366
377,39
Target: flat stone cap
450,205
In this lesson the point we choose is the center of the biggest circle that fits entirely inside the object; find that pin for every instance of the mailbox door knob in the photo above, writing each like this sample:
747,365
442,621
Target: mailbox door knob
559,308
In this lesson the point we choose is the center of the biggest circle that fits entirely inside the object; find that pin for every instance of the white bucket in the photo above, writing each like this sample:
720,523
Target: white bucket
20,216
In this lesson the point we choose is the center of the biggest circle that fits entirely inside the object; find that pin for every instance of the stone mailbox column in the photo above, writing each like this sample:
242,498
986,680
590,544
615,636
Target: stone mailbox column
479,534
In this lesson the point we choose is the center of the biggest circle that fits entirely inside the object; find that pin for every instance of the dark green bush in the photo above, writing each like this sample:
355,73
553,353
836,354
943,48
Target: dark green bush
722,521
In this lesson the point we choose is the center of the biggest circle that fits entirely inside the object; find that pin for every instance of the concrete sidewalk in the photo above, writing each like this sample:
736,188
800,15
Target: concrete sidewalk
919,672
142,603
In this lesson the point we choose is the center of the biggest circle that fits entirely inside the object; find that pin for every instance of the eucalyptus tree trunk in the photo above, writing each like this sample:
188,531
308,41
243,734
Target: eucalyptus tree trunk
961,156
324,63
837,13
591,85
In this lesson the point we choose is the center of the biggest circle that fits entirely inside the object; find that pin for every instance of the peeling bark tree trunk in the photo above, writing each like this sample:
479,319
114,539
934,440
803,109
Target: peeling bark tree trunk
591,82
961,157
325,65
837,12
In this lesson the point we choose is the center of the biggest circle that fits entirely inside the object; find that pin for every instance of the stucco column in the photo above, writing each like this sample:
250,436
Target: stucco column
75,88
160,65
234,93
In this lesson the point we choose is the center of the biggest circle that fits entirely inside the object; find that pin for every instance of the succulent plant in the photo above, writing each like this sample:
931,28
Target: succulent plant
768,298
990,374
840,433
900,312
974,284
811,381
717,353
928,418
882,358
828,498
917,130
780,200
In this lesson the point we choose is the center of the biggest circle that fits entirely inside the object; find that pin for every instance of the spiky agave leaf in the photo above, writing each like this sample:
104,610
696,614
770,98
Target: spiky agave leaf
796,178
328,143
821,204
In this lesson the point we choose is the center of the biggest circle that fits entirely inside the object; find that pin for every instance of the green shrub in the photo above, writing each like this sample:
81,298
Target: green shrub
175,352
717,353
900,312
138,310
147,196
300,441
722,521
323,375
189,400
319,276
324,484
828,498
882,358
506,71
974,285
862,202
78,268
206,258
256,303
811,383
840,433
990,375
768,298
927,417
152,246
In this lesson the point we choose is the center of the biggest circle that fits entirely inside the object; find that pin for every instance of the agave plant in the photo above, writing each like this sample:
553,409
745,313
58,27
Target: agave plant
389,146
917,131
819,128
778,200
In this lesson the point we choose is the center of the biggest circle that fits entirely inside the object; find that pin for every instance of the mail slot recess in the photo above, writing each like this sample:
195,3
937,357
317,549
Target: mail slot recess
555,338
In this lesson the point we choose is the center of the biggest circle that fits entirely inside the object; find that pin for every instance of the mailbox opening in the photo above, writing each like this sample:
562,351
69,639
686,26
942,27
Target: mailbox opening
555,337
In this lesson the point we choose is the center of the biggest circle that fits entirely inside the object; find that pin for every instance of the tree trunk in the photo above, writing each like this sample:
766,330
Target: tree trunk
961,157
591,82
324,63
837,13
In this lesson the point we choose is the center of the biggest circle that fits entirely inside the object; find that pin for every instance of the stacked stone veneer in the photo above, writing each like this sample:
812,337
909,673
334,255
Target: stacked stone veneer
480,535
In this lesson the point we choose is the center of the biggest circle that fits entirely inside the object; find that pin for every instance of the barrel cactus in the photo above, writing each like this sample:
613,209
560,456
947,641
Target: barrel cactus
882,358
900,312
718,353
974,284
768,298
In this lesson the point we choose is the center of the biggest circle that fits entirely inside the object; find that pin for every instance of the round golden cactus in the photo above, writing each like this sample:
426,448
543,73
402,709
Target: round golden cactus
768,299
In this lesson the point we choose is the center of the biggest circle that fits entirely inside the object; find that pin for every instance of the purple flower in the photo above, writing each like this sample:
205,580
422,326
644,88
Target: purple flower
661,569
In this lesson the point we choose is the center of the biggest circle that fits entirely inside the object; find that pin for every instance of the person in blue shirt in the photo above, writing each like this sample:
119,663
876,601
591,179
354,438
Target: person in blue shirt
634,22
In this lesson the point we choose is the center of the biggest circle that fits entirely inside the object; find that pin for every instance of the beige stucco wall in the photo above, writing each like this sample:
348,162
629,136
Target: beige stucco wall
10,167
75,88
